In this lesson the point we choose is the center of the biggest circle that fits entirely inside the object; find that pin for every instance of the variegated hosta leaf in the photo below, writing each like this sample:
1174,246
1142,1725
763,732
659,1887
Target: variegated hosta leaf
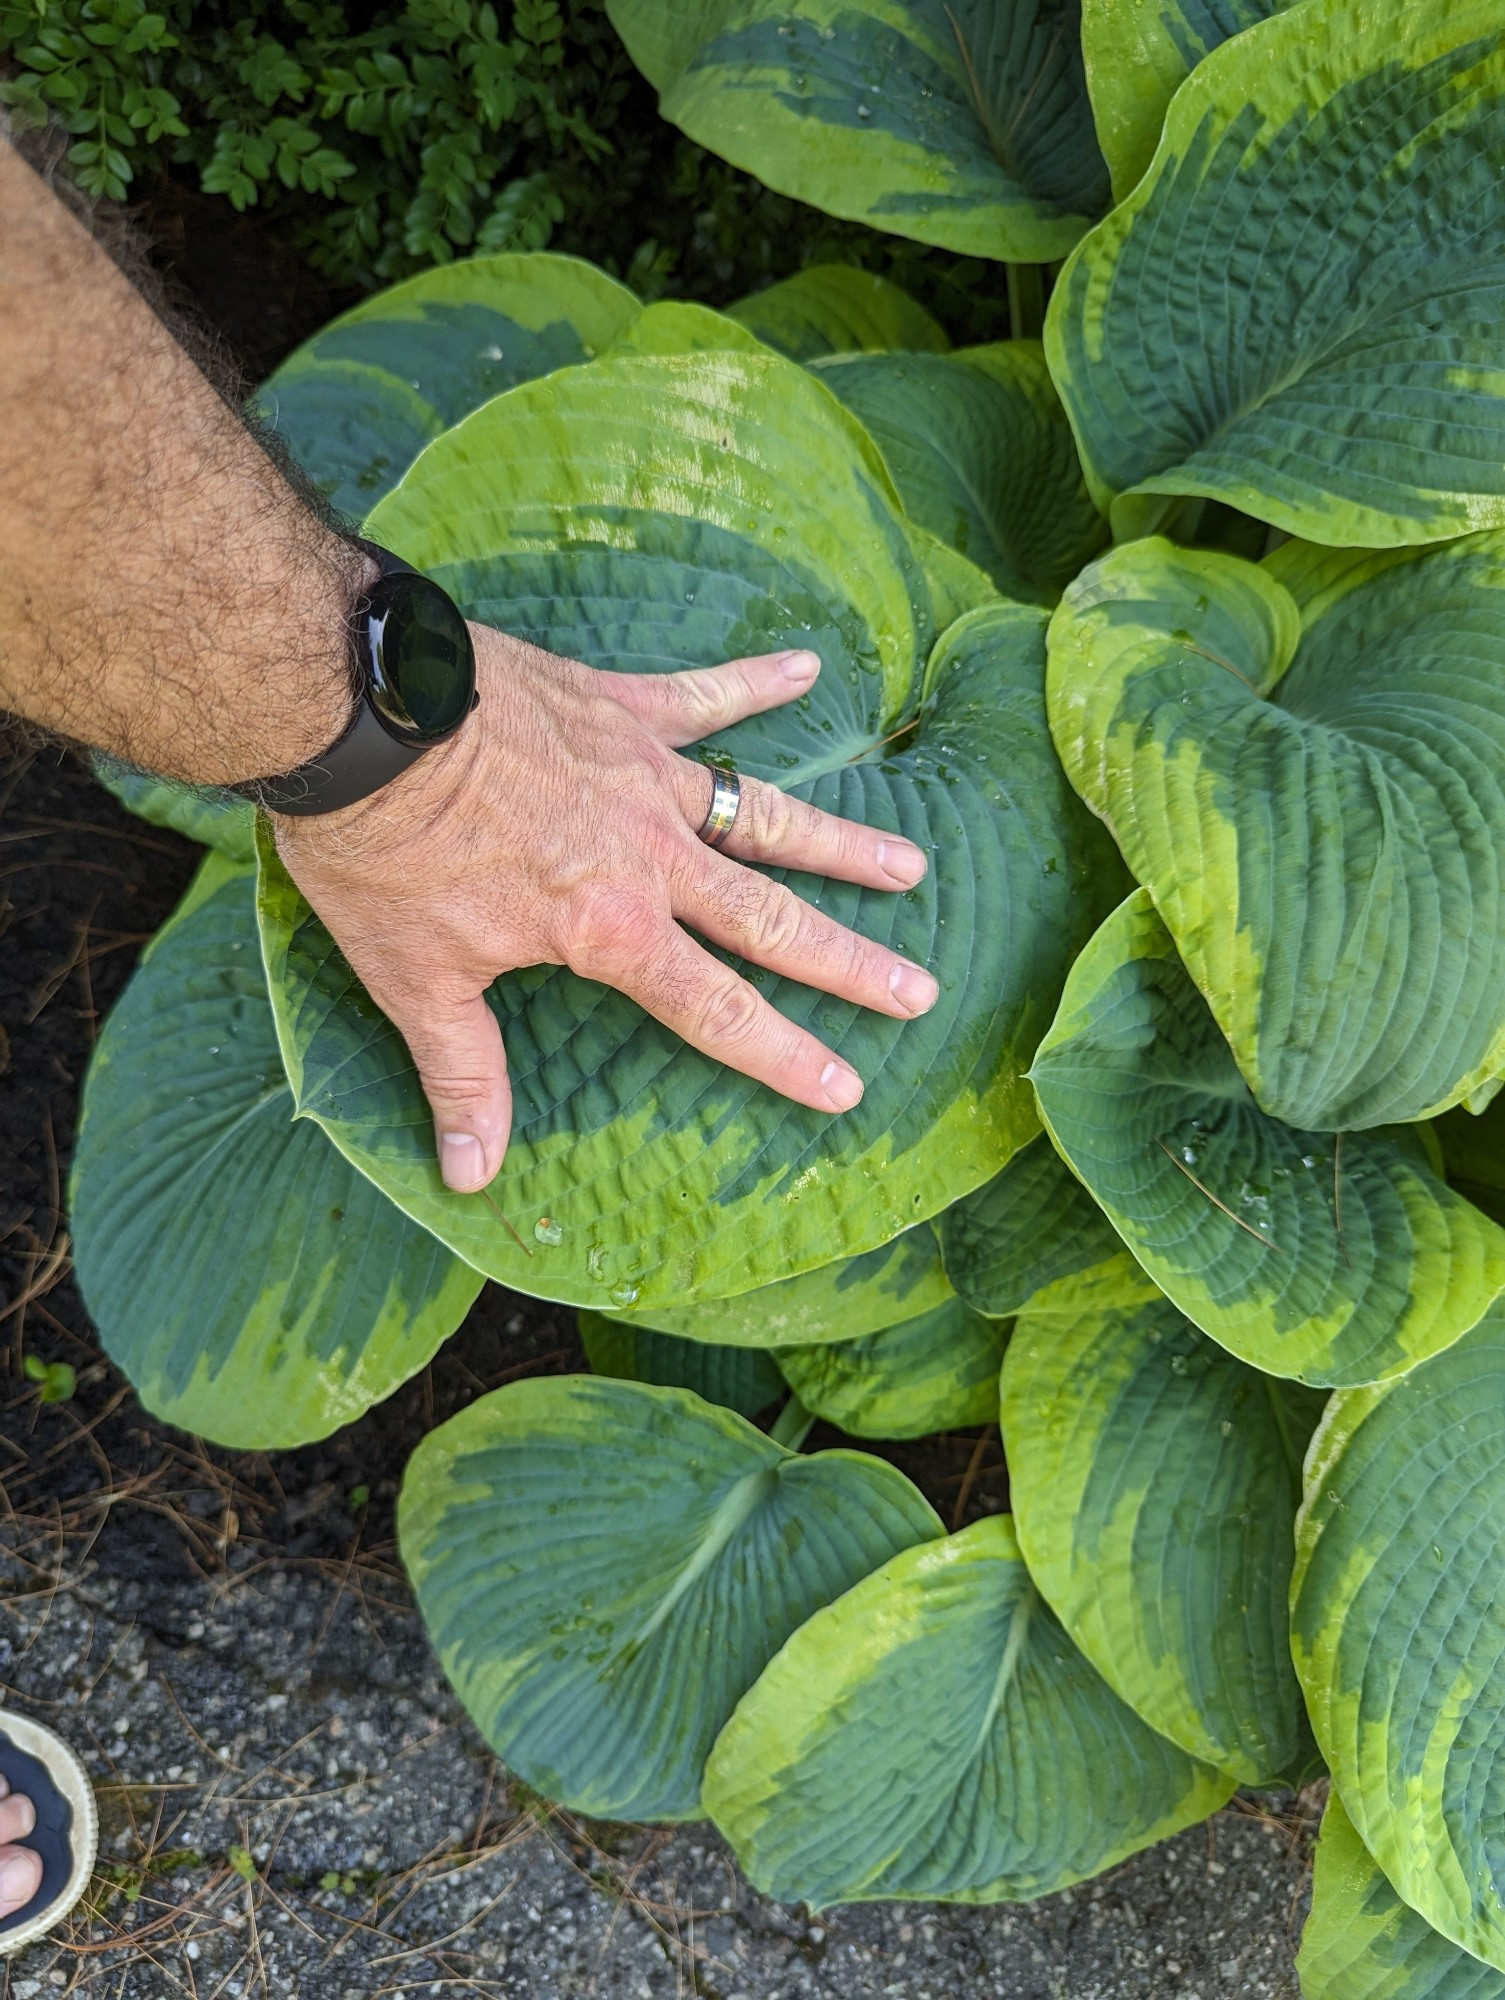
215,819
935,1734
739,1378
899,1280
675,326
1361,1942
1308,781
1154,1481
963,124
982,455
1332,1258
605,1567
356,404
936,1372
1137,53
1020,1231
254,1287
1398,1628
651,513
838,309
1297,309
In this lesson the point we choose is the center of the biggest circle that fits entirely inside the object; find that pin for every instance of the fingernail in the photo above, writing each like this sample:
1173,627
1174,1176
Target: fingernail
801,668
843,1086
18,1883
913,987
901,862
462,1162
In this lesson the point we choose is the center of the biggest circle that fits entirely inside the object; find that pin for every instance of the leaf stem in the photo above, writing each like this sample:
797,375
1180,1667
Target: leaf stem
792,1425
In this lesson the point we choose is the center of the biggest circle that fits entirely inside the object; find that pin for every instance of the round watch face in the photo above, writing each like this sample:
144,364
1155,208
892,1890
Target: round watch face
421,663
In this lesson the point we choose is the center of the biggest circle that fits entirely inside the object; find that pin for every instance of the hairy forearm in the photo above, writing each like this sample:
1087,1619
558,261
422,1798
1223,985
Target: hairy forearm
165,595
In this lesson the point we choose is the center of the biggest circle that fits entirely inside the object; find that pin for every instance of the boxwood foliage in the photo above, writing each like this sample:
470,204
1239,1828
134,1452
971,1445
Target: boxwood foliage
1192,1181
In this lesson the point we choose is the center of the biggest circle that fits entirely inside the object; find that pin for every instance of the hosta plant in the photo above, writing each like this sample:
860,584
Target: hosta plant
1174,628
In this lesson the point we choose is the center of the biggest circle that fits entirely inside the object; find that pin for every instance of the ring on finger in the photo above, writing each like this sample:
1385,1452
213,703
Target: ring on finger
726,797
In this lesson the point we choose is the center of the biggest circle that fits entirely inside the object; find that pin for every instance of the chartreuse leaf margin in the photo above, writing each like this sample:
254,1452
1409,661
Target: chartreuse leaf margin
935,1733
1330,1258
1154,1482
1296,308
901,1279
965,125
357,403
1398,1627
1137,54
1362,1942
1307,781
254,1287
838,309
936,1372
656,512
575,1541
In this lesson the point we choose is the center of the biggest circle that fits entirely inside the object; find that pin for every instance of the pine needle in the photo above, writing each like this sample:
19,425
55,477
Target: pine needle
1215,1202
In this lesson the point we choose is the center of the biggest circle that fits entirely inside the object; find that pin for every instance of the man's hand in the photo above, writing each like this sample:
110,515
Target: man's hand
560,827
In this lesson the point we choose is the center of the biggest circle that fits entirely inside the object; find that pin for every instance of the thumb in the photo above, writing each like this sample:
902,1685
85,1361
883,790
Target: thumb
462,1066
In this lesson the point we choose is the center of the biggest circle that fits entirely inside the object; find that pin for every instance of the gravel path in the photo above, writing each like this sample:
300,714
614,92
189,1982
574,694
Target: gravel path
260,1733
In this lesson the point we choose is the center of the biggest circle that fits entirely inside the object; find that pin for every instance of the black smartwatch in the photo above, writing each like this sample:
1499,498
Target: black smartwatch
416,683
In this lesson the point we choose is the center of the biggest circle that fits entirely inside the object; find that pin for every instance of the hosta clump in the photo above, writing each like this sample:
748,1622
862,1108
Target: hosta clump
1194,1181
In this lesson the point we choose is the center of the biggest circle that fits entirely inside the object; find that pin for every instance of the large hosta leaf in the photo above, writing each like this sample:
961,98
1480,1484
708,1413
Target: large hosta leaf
356,404
254,1287
982,455
965,125
1136,53
1311,784
1361,1942
899,1280
648,513
215,819
605,1567
1398,1628
934,1733
1020,1231
740,1378
936,1372
838,309
1332,1258
1297,309
1154,1481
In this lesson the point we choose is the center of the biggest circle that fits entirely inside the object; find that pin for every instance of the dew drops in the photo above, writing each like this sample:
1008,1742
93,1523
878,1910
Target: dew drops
624,1295
864,113
1226,1427
547,1230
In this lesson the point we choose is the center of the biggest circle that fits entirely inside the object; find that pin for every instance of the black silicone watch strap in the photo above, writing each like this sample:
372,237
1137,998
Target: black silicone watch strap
364,759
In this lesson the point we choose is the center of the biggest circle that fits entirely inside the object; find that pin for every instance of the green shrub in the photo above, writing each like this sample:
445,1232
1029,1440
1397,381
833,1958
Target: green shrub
1202,1135
387,138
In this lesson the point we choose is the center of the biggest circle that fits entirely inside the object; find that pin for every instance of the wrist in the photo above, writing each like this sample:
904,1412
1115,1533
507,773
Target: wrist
411,805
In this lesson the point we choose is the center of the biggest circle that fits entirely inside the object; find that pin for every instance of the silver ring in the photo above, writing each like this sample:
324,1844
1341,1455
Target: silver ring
726,796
